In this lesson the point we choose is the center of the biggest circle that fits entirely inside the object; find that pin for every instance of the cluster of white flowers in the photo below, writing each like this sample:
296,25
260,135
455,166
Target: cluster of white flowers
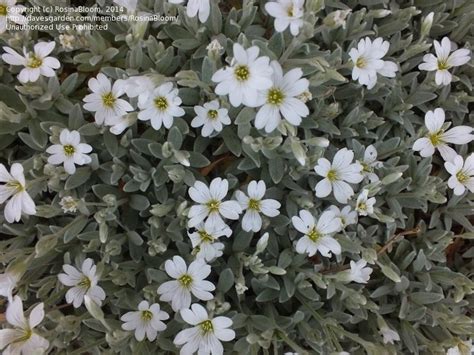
437,138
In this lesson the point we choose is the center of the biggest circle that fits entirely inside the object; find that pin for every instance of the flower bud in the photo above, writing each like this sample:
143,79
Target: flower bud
426,24
336,19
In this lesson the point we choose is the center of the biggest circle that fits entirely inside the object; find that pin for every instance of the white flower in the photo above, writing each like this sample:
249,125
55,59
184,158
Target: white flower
14,187
443,61
287,13
336,19
254,205
337,175
70,151
462,348
36,63
370,163
206,334
359,272
11,12
211,117
188,280
22,340
389,335
317,236
281,99
346,215
203,7
248,75
462,174
161,106
120,124
137,86
8,281
105,101
147,320
210,203
68,204
365,205
437,136
205,241
367,59
84,283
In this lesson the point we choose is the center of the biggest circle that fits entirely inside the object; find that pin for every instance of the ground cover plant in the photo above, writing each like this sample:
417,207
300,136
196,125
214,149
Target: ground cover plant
236,177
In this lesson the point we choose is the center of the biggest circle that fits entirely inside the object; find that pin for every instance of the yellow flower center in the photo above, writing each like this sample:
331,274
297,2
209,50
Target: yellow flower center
34,62
161,103
361,63
436,138
85,283
186,280
27,333
362,206
290,11
212,114
332,175
15,185
213,206
69,150
3,10
275,96
443,64
205,237
254,205
146,315
462,177
206,326
108,99
366,167
242,73
314,235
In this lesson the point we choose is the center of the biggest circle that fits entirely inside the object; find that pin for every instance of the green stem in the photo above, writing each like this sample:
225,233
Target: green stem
291,343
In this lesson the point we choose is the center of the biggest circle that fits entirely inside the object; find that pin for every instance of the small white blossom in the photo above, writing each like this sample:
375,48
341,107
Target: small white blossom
206,334
211,117
188,280
287,13
22,340
337,175
161,106
14,189
82,283
210,204
105,100
336,19
281,99
462,174
205,240
247,75
146,321
347,216
359,272
370,163
317,236
443,61
70,151
367,60
365,205
438,136
202,8
389,335
137,86
68,204
35,63
9,11
8,281
254,204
